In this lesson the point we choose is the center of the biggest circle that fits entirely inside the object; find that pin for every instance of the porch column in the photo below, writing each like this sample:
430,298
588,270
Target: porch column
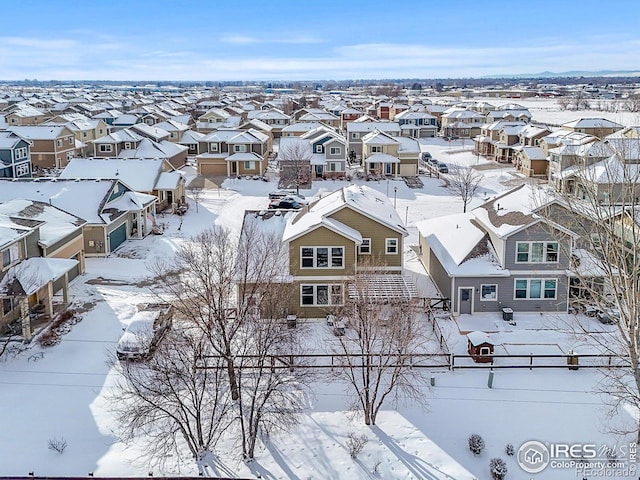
65,289
48,301
228,168
141,220
25,319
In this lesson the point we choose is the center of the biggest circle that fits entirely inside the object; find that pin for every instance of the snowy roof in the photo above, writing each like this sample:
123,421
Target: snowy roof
150,130
534,153
82,198
55,223
244,157
377,137
147,148
391,127
478,338
610,171
125,135
139,174
9,140
512,211
12,228
34,273
40,132
592,123
382,158
169,180
362,199
191,137
461,246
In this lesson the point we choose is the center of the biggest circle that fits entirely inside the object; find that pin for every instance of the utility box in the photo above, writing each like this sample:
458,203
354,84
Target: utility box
507,314
292,320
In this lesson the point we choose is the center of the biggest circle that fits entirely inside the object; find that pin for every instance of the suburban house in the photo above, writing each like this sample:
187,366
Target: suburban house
485,143
24,114
234,152
417,124
52,146
15,158
598,127
112,144
42,250
352,229
383,154
298,129
531,161
502,254
273,117
192,140
84,129
322,148
152,132
356,130
321,116
215,119
461,123
153,176
567,158
113,212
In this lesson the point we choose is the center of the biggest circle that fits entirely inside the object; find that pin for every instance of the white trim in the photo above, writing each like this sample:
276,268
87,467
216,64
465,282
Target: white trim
360,252
542,288
386,246
530,251
315,294
459,302
482,299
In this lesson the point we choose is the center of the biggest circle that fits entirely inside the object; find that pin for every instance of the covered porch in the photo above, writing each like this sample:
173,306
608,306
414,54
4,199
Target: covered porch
382,164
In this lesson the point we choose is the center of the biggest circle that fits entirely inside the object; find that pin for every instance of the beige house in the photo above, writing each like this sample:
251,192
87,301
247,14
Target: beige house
354,229
385,155
52,146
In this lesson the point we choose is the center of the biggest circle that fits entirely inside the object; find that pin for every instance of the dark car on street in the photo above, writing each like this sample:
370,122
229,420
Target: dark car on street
285,204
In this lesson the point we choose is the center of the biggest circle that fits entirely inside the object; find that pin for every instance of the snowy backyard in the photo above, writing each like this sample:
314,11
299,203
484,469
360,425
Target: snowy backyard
60,391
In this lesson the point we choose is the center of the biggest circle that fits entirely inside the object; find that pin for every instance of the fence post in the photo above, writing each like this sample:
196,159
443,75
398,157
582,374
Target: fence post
452,360
531,361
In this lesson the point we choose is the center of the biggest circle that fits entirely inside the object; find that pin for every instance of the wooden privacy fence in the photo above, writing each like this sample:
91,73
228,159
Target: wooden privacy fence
330,361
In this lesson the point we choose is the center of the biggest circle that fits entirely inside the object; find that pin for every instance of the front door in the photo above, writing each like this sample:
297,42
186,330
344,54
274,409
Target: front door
234,167
318,171
465,299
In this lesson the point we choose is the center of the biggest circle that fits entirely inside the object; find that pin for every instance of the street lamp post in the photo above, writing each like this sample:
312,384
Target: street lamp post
395,196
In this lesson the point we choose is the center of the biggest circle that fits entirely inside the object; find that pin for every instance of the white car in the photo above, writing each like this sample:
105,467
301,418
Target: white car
142,335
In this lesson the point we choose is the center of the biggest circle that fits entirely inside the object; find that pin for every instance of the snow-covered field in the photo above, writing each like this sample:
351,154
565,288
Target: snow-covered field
60,391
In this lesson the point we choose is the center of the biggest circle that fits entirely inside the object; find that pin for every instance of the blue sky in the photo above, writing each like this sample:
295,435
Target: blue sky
306,40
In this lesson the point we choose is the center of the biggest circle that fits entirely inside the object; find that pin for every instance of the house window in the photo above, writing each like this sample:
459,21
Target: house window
314,295
84,134
69,155
484,351
354,135
335,151
7,305
59,142
535,288
536,252
6,257
391,246
249,165
239,148
100,131
127,145
488,293
70,140
105,148
318,148
22,169
322,257
21,152
213,147
376,149
365,247
333,167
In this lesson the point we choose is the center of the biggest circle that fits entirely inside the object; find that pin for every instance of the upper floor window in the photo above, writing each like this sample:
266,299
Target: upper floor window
354,135
536,252
365,247
322,257
335,151
391,246
376,149
213,147
318,148
21,152
59,142
6,257
239,148
70,139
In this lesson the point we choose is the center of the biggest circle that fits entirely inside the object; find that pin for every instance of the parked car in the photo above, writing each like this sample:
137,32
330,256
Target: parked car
296,198
608,316
144,332
426,155
279,194
443,168
433,161
285,204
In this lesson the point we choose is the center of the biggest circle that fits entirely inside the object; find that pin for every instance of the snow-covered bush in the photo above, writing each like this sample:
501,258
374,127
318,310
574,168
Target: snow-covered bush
476,444
498,468
509,450
355,444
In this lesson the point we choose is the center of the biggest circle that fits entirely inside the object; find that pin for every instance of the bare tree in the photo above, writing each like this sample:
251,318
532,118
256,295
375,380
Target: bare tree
375,354
196,192
464,182
602,208
295,163
167,399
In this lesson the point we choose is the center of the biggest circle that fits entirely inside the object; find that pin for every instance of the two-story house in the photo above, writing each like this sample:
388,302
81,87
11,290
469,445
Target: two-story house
326,152
356,130
353,229
485,143
15,157
461,123
52,146
502,254
234,152
598,127
273,117
417,124
112,144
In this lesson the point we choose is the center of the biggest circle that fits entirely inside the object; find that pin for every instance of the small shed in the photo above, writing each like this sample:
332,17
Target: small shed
480,347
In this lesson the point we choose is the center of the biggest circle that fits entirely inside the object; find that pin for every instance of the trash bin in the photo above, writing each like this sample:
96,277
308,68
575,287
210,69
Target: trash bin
291,321
572,360
507,314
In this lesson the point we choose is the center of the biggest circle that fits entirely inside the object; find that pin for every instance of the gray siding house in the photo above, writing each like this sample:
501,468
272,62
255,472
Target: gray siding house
500,255
15,156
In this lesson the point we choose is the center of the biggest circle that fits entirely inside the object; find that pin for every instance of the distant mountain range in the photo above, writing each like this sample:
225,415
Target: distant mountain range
573,73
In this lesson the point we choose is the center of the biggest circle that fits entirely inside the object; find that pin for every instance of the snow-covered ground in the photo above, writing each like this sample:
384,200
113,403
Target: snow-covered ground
60,391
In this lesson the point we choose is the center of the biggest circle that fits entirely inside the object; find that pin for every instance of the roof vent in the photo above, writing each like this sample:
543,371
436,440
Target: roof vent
76,180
